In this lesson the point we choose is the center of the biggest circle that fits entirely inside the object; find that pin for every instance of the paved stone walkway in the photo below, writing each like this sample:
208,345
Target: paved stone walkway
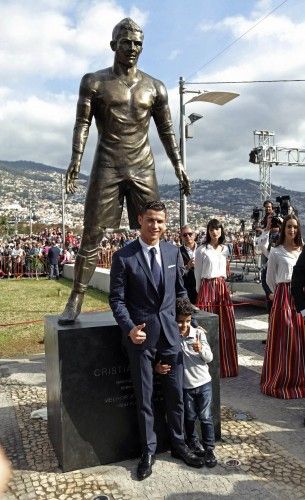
264,434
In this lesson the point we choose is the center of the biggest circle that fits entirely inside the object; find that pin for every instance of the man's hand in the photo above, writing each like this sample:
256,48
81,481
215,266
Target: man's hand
162,369
137,335
183,179
72,175
190,264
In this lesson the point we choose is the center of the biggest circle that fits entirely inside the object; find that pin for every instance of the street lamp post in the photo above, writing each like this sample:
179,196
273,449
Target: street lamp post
183,200
219,98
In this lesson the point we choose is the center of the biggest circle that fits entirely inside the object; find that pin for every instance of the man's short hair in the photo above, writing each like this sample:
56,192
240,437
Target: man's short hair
266,202
184,307
184,227
126,24
158,206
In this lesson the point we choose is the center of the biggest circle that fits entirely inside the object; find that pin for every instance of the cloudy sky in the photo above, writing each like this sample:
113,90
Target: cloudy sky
47,46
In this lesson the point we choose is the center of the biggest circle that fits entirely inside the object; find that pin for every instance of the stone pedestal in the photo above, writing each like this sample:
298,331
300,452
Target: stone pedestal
92,416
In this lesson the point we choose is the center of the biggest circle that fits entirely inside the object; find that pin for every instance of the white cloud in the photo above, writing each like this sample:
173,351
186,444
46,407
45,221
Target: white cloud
174,54
223,139
38,38
47,41
53,39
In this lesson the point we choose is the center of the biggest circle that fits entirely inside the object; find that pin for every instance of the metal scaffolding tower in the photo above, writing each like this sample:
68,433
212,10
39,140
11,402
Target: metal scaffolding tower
266,154
263,141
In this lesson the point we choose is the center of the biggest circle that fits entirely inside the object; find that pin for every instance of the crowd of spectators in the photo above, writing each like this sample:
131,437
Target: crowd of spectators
27,256
24,255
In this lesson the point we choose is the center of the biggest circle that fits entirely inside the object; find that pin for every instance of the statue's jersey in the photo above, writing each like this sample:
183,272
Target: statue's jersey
122,113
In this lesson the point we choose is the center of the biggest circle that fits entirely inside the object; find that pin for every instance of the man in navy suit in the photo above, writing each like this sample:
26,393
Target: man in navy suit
145,280
298,283
53,256
188,249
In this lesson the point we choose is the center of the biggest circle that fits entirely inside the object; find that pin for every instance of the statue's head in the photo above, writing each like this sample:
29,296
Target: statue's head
128,25
127,40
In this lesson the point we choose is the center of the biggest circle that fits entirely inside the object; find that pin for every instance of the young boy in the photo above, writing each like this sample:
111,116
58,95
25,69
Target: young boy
197,386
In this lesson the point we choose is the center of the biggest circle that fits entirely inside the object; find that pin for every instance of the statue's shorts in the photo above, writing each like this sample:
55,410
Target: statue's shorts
108,187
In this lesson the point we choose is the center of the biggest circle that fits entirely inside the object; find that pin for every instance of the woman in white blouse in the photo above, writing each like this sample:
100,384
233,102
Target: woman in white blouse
283,374
213,293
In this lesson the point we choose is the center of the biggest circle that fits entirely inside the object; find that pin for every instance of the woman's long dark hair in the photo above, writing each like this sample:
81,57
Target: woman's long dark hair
215,224
298,237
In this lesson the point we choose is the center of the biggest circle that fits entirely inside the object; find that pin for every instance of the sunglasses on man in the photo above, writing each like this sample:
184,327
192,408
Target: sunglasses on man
187,234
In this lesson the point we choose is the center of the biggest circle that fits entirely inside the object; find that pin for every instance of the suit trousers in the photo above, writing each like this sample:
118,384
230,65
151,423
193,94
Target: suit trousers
142,373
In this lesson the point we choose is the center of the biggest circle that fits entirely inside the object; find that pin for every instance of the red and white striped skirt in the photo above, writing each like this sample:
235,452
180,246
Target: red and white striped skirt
214,297
283,374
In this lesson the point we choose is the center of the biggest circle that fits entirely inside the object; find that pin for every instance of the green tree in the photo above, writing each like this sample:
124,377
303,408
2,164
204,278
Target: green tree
3,225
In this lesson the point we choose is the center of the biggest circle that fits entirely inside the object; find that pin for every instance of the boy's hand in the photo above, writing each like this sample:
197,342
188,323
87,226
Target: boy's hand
162,369
197,346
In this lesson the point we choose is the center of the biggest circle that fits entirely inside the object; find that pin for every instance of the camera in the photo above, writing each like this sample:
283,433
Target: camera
284,206
256,214
276,221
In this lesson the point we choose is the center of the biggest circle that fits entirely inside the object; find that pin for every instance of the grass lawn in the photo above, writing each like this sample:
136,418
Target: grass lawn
27,301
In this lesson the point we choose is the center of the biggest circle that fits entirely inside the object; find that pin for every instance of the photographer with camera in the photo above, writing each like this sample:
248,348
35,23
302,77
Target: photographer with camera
268,238
268,207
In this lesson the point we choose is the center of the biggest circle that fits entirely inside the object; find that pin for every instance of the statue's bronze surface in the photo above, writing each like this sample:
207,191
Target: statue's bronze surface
122,100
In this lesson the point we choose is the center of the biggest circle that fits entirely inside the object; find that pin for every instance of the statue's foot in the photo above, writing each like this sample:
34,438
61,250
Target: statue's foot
72,309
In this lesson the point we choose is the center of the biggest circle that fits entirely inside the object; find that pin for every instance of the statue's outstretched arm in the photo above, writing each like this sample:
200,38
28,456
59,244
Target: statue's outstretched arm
80,131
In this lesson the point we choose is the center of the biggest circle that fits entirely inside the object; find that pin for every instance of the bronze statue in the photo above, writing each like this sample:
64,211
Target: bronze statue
122,100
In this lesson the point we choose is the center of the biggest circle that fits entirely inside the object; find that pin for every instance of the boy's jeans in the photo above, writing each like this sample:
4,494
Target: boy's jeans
197,404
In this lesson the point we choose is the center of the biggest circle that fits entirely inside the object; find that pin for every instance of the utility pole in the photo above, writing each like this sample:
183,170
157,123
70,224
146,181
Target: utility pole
16,223
30,214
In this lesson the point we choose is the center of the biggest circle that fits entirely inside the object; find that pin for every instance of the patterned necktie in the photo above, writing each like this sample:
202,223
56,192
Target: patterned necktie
155,269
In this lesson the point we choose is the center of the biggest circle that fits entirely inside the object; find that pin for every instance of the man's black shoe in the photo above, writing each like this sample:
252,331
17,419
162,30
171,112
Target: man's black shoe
145,466
196,447
185,454
210,459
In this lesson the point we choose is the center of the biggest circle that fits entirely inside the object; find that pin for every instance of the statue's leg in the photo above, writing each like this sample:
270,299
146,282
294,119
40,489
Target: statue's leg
84,267
103,209
143,188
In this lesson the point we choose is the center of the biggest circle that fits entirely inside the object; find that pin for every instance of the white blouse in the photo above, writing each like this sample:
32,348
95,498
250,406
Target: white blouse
280,266
210,263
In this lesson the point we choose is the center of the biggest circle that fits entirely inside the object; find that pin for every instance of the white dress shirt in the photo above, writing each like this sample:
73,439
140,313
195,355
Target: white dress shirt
280,266
145,250
210,263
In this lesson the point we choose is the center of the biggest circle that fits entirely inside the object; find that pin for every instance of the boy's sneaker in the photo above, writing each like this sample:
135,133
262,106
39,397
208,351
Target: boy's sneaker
196,447
209,458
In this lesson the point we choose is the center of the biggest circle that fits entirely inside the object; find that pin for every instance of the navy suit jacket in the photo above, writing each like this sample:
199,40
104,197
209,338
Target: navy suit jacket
298,282
134,298
53,255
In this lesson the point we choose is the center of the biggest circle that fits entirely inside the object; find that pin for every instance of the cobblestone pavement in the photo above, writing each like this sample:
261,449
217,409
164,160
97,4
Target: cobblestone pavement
264,434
